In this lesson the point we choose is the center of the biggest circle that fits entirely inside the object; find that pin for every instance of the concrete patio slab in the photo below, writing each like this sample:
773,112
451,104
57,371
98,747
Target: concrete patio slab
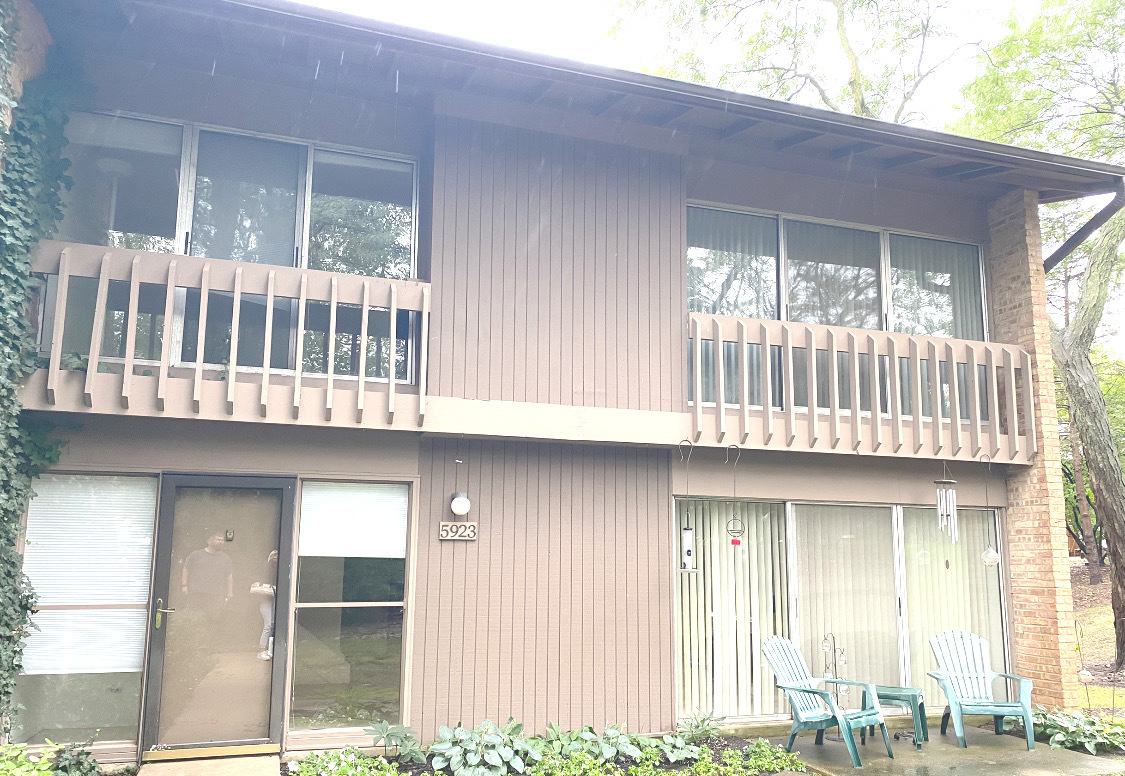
258,765
988,755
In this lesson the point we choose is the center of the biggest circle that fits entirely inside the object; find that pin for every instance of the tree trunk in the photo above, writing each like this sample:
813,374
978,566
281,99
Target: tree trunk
1089,416
1089,541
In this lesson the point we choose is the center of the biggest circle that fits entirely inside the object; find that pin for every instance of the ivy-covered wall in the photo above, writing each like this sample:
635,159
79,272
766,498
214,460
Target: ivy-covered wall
31,173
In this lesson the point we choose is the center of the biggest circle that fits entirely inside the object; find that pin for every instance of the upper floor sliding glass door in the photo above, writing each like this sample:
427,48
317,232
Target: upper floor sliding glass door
157,187
773,267
170,188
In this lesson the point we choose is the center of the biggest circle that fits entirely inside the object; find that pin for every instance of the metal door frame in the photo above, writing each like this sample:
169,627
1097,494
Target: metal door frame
161,583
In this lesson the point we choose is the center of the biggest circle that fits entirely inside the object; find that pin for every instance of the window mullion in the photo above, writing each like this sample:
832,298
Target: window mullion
304,211
782,272
885,280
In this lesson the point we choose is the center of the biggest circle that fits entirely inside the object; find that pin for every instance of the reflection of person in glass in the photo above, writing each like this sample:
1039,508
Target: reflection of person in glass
266,589
208,576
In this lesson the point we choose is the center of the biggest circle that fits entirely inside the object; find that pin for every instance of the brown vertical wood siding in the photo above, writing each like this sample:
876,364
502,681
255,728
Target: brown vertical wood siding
561,610
557,269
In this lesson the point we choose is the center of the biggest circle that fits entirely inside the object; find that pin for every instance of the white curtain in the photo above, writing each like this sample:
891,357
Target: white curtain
948,587
935,288
846,593
737,598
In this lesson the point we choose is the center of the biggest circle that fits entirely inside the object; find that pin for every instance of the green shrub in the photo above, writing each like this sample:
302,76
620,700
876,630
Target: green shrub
486,750
74,760
1073,730
577,764
15,761
764,757
648,764
397,737
345,762
611,745
701,727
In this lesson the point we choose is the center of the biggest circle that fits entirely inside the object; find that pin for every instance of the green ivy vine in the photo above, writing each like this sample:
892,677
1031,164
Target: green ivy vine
31,176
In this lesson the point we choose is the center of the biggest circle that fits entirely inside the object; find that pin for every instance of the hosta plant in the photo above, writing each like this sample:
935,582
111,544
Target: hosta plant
612,744
486,750
398,737
700,727
1071,730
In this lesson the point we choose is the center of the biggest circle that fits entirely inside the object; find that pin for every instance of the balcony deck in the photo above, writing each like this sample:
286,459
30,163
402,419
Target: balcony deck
989,396
181,379
174,388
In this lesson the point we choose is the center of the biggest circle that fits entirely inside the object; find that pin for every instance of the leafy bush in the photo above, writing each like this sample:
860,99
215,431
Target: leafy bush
15,761
345,762
74,760
701,727
397,737
486,750
607,747
577,764
764,757
676,748
1072,730
760,757
648,764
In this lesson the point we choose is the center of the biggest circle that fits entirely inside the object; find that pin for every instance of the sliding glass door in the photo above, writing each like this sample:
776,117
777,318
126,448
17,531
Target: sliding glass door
846,595
735,600
860,588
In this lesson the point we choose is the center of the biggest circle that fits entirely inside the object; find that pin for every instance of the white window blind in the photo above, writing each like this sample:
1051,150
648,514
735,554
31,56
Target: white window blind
89,542
84,641
89,539
353,520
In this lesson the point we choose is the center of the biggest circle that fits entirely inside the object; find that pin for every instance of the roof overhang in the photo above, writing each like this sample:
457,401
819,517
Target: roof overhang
300,42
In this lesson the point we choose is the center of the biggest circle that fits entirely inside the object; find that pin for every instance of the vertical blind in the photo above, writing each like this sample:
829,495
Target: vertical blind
935,288
846,590
736,599
89,542
948,587
833,275
732,263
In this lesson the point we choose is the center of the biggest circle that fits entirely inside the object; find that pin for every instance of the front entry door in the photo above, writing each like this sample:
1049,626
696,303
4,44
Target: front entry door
219,616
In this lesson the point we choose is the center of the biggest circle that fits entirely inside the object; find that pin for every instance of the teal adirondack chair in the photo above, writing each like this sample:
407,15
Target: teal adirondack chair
965,675
816,709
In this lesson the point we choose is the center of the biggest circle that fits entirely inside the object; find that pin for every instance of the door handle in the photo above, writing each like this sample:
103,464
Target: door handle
160,612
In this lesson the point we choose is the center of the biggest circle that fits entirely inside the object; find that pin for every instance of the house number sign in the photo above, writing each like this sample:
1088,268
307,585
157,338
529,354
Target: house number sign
460,530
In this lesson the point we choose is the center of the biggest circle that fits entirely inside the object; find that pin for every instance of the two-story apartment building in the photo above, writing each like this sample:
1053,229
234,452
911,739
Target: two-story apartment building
319,276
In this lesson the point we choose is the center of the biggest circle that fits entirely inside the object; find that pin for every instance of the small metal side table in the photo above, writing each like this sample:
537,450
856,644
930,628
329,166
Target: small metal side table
907,698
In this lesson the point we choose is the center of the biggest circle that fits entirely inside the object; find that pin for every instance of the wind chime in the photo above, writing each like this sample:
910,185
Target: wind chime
990,557
947,504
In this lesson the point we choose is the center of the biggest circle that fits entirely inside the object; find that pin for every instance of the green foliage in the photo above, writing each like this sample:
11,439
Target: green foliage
764,757
1071,730
701,727
345,762
676,748
74,760
823,54
612,744
32,173
15,761
580,764
486,750
399,737
648,764
758,758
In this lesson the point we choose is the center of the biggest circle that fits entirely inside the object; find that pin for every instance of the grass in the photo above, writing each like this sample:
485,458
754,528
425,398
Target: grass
1095,629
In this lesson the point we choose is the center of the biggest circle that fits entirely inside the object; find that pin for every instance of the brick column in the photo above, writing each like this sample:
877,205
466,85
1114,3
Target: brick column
1040,610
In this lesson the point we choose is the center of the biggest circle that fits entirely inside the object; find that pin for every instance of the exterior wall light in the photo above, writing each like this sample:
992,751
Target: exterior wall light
460,505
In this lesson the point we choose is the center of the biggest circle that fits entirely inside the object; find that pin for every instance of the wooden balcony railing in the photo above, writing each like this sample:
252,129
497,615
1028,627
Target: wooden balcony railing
871,392
178,336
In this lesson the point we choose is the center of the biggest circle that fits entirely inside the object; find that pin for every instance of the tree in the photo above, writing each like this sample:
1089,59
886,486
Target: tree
1057,84
820,52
